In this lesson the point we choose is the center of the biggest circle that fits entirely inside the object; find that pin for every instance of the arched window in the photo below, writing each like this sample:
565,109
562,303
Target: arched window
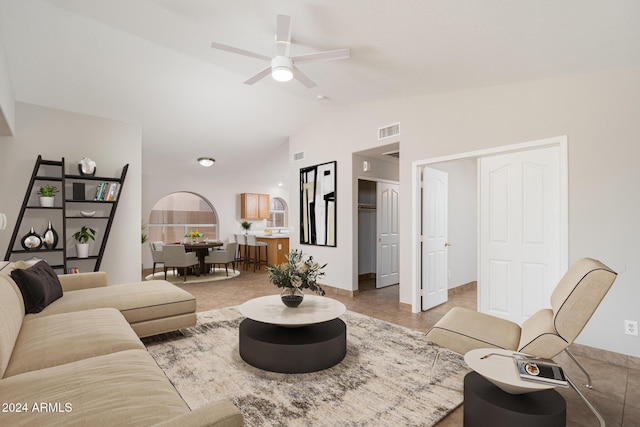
278,215
179,213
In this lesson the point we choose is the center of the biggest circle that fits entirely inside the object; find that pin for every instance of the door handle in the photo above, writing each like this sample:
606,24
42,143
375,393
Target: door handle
447,244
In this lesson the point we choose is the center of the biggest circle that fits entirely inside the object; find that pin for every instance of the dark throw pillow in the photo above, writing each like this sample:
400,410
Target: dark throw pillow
39,285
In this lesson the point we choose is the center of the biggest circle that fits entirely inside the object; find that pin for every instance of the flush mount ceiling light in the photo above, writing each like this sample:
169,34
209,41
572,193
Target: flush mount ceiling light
206,161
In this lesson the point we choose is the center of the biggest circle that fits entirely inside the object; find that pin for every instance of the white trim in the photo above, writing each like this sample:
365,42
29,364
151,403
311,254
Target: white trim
369,178
417,165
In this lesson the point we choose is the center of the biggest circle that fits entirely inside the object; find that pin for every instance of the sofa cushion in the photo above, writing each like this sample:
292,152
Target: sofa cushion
117,389
138,302
39,285
67,337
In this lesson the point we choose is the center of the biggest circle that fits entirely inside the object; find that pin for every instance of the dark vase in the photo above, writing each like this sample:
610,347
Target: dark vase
31,240
50,237
291,297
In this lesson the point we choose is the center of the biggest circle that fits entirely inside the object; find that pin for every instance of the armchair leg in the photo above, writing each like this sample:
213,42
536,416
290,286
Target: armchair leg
586,402
588,385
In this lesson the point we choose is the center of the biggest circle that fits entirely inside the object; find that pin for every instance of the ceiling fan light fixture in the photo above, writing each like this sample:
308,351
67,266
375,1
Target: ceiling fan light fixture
282,68
206,161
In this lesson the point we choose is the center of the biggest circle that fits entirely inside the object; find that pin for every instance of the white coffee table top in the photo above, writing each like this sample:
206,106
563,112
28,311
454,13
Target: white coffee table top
313,309
501,370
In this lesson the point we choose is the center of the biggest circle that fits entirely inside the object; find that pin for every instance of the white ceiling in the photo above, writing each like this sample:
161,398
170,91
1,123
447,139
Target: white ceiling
150,62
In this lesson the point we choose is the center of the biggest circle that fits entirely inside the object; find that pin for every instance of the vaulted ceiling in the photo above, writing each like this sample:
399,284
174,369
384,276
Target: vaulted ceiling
150,62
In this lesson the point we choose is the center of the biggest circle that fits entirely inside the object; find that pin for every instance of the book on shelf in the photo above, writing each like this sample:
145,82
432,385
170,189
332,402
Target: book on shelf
107,191
542,371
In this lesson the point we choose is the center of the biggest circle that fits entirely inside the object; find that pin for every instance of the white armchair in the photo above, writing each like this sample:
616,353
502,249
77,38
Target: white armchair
175,256
157,254
226,256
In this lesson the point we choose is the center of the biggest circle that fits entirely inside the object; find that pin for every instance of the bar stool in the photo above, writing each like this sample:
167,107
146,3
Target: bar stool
252,242
241,256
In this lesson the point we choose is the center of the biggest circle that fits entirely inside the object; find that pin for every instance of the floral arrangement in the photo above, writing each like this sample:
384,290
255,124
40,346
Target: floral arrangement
298,272
194,234
246,225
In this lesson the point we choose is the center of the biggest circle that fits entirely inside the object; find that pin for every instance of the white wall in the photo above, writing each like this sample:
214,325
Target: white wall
599,113
7,103
55,134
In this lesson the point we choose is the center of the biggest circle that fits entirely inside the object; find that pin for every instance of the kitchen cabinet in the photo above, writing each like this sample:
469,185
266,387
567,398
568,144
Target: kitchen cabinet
254,206
277,249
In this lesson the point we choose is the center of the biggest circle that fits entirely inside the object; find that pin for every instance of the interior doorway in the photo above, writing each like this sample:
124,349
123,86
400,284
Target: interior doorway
376,175
475,235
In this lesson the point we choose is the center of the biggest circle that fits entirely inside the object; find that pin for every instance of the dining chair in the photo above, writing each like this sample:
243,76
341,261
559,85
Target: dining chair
175,256
223,256
157,254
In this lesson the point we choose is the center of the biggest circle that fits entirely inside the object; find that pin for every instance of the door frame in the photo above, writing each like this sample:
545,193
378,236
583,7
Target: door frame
416,211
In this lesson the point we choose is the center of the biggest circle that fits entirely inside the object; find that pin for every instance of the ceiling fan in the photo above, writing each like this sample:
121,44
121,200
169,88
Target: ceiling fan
284,67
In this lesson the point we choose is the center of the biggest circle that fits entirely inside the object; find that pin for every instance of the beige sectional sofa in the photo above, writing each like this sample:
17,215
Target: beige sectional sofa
80,360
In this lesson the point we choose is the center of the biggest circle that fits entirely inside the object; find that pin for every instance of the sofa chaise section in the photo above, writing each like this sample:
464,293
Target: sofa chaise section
150,307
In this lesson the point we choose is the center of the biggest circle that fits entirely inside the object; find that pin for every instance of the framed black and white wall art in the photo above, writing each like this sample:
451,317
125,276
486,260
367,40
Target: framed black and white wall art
318,204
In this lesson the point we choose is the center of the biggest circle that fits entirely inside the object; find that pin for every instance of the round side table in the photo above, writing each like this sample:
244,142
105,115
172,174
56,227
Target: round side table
487,405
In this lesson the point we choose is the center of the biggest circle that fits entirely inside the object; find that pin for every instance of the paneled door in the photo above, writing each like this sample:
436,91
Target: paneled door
520,232
435,206
387,257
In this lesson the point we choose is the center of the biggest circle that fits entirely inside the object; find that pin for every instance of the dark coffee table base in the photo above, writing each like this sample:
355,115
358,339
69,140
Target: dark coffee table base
487,405
308,348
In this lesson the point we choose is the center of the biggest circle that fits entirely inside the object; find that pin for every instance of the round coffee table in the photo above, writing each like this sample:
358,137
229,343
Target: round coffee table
278,338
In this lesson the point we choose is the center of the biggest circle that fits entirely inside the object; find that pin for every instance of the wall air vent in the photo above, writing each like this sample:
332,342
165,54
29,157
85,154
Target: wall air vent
298,156
389,131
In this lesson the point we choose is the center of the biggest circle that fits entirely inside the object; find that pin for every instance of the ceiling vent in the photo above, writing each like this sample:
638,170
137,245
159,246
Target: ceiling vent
389,131
298,156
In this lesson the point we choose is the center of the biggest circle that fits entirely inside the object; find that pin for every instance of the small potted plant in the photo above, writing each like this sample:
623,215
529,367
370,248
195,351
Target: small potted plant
246,225
82,238
46,195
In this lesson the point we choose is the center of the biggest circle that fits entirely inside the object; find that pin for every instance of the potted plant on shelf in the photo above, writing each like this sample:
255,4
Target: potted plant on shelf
46,195
82,238
294,275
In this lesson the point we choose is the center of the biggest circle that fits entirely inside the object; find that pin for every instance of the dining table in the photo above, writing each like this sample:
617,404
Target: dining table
202,250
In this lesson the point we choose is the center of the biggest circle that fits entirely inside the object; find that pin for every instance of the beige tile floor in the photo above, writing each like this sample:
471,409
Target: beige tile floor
616,389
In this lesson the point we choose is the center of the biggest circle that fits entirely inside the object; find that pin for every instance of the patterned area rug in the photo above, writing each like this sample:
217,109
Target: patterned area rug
383,380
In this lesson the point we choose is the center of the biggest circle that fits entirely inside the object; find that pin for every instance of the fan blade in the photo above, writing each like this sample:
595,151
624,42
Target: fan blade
239,51
303,78
261,75
328,55
283,35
